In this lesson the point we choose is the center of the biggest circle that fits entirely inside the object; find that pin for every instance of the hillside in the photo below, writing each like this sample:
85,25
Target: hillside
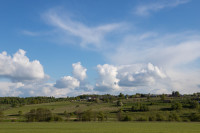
138,107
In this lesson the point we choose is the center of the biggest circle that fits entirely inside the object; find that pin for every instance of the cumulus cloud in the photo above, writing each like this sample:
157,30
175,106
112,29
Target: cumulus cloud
175,53
43,89
79,71
140,75
107,80
10,89
72,85
147,9
144,78
63,87
19,68
67,82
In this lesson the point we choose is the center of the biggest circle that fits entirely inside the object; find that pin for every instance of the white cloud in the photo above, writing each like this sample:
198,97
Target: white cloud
163,50
140,75
147,9
176,53
145,78
10,89
107,80
130,79
79,71
89,36
44,89
19,68
67,82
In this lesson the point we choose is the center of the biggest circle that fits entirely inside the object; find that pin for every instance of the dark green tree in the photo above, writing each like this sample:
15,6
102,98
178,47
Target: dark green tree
121,96
100,116
39,115
194,104
119,103
175,94
87,115
162,97
20,113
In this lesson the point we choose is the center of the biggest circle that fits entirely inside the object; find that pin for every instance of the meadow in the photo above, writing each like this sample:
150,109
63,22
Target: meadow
100,127
101,114
109,108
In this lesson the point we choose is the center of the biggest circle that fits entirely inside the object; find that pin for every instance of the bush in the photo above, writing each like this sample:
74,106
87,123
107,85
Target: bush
20,113
68,116
87,115
152,118
121,96
176,106
119,103
140,107
13,120
1,114
39,115
194,104
57,118
174,117
142,119
159,117
162,97
78,113
175,94
127,118
119,115
100,116
195,117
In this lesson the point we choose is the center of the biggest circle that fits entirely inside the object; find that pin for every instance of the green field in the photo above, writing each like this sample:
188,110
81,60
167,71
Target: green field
109,109
98,127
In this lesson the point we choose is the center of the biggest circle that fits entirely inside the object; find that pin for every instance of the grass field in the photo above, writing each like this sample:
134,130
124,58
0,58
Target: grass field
98,127
110,109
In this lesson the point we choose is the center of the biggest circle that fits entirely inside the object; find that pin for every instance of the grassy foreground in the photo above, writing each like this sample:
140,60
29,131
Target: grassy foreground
104,127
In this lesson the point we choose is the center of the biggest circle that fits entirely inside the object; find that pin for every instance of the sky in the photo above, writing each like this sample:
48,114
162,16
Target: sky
72,47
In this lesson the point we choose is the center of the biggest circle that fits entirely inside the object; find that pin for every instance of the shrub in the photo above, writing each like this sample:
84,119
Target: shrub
176,106
13,120
1,114
68,115
100,116
20,113
57,118
159,117
119,115
174,117
162,97
142,119
152,118
39,115
194,104
78,113
127,118
175,94
140,107
195,117
121,96
87,115
119,103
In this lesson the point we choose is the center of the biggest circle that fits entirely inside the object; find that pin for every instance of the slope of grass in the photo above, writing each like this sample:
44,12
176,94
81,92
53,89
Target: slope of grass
109,109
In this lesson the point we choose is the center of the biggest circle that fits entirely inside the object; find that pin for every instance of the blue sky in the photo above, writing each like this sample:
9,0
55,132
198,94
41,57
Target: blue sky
66,48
